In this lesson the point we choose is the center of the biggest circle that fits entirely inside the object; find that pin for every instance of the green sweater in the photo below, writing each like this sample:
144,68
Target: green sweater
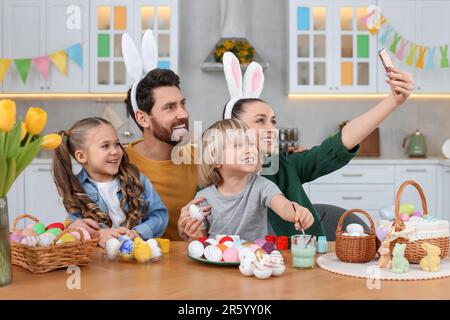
298,168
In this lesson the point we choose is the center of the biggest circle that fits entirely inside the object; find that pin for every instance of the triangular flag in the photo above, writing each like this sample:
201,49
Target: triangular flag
41,64
23,66
74,52
4,65
59,58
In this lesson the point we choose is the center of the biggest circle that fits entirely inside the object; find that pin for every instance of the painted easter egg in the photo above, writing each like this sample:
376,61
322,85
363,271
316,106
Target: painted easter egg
67,237
55,225
126,250
222,247
225,239
261,271
39,228
260,242
77,236
112,248
407,208
46,239
152,243
355,228
55,231
268,247
404,217
381,232
212,241
278,266
195,249
15,238
417,214
213,253
432,219
231,255
387,213
124,238
30,241
142,252
416,219
28,232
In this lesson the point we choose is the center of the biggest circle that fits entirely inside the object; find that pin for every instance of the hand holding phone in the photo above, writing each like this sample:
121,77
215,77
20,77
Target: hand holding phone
387,63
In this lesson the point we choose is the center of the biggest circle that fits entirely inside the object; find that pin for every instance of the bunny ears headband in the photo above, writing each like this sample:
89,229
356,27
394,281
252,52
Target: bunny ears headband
250,87
138,65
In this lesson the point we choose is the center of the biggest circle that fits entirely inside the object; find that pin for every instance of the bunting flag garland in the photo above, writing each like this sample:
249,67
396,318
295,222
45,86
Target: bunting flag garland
42,63
415,55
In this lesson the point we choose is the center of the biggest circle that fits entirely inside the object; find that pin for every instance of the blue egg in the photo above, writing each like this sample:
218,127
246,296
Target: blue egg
387,213
126,248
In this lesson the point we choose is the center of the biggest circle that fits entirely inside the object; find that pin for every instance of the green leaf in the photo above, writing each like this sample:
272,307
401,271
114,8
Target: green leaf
11,175
2,141
3,173
12,144
29,152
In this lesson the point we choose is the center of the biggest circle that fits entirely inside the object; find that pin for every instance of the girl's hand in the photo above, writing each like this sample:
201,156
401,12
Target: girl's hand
90,225
402,82
106,234
193,229
303,217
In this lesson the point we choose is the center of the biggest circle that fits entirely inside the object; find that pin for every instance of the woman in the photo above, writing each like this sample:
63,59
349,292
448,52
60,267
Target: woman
298,168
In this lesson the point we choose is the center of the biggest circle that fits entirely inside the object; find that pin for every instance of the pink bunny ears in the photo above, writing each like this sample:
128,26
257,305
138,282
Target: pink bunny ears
252,85
138,65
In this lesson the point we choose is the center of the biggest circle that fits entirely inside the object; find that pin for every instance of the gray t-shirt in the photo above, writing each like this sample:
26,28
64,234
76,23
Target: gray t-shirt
244,214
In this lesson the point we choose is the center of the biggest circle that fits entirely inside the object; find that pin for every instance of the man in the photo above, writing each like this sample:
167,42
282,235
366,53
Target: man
163,120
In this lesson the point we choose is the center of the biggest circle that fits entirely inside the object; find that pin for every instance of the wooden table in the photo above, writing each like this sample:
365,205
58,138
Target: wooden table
176,276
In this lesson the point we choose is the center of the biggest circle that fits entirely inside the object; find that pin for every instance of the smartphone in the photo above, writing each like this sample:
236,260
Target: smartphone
387,63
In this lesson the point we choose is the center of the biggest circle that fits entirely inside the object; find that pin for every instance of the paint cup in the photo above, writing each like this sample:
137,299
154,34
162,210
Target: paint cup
303,249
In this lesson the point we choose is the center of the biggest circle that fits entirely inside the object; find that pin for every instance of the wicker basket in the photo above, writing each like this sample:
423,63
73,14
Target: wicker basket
355,249
414,252
44,259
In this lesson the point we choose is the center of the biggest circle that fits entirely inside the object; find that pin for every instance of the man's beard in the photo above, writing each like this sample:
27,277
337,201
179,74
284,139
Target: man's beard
164,135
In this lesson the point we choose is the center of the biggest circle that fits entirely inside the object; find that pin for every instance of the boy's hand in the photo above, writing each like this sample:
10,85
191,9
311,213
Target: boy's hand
185,217
303,217
401,82
90,225
193,229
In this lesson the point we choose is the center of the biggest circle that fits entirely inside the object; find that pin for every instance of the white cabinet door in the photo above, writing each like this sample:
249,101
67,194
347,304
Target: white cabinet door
68,24
41,197
401,16
24,37
310,50
426,177
444,193
432,30
354,48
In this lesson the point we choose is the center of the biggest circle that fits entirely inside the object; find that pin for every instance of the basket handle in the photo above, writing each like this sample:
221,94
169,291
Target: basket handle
399,225
348,212
67,231
23,216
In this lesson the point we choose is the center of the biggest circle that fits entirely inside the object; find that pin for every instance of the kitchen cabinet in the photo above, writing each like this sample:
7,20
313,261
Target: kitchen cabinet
443,193
16,201
110,19
34,28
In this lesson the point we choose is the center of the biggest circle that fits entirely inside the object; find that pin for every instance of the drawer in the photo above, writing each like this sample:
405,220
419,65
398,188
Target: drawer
367,197
359,174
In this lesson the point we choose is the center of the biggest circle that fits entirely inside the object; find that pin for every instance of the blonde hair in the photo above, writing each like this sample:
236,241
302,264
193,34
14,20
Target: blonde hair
70,189
214,140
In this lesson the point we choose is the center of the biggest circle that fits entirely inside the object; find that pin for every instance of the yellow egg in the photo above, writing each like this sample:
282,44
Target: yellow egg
142,252
67,237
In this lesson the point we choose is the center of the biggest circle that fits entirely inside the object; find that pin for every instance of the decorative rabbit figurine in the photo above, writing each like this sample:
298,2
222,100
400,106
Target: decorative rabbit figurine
399,262
431,262
385,260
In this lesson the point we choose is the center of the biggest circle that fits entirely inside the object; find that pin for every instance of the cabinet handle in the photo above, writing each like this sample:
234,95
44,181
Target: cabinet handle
416,170
352,175
48,87
352,198
43,170
337,88
42,88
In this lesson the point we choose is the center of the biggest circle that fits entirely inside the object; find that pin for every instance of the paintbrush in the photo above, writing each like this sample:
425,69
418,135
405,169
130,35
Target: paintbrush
317,228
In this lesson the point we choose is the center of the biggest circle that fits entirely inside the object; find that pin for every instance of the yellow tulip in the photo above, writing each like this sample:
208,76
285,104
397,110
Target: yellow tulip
23,131
7,115
35,120
51,141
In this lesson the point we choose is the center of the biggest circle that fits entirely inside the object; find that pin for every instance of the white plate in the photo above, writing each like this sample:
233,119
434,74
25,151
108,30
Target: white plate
446,149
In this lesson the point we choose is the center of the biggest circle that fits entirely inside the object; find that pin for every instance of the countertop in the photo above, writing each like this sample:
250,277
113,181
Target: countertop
176,276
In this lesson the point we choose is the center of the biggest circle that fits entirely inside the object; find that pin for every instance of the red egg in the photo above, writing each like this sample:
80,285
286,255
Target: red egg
55,225
226,238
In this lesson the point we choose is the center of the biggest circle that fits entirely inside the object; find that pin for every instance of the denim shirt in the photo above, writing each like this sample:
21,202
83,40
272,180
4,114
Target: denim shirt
155,220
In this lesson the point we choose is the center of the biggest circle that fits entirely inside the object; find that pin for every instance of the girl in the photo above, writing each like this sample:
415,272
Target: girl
108,197
298,168
238,197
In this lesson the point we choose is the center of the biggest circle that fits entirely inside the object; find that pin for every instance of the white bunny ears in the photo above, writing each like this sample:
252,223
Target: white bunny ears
251,87
138,65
